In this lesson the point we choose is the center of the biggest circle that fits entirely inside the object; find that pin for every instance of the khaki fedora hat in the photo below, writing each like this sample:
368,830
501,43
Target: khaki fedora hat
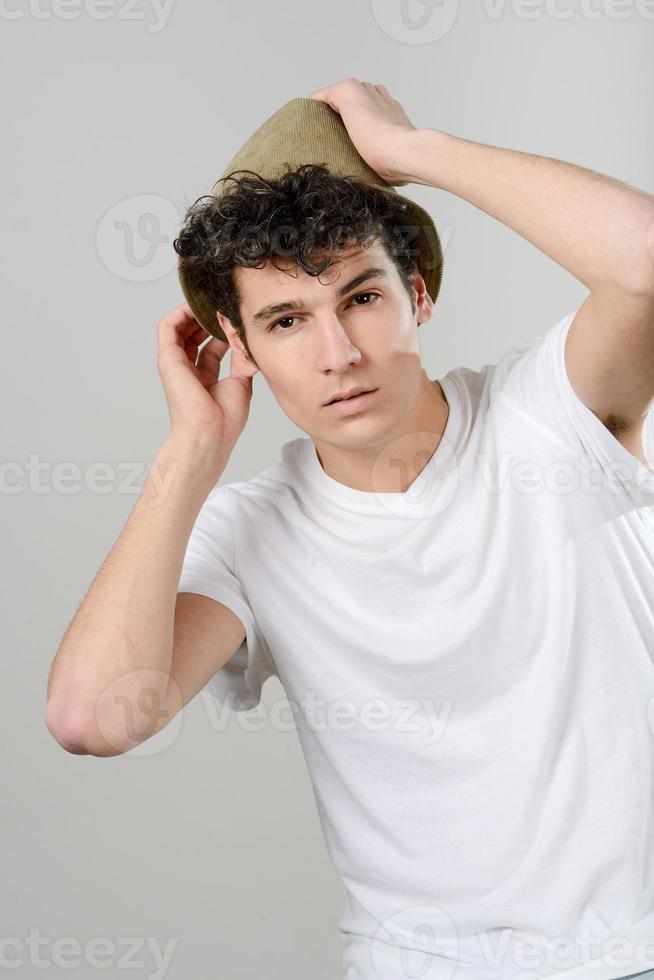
309,131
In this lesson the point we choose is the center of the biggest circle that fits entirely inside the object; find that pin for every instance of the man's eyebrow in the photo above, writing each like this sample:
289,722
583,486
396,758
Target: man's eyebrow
268,311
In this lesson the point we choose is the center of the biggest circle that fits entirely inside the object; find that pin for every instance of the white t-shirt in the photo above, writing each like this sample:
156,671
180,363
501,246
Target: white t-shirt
470,666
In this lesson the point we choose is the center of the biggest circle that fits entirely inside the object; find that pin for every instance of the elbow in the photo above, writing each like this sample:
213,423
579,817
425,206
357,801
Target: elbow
74,736
66,734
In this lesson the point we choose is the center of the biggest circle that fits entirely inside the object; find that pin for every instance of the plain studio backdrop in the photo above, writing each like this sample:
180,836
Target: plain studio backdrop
203,846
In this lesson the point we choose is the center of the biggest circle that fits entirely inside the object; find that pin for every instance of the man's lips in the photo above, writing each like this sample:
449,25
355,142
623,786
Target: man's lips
363,391
347,405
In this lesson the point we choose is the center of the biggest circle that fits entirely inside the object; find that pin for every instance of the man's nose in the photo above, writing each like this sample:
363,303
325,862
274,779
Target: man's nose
336,346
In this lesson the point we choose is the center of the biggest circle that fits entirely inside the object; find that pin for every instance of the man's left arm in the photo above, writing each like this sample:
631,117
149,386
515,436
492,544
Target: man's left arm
600,229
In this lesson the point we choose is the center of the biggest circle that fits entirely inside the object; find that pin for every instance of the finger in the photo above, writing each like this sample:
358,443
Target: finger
333,94
214,350
179,323
323,96
180,316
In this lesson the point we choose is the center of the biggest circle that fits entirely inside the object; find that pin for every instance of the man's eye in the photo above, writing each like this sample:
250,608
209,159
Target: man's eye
277,322
359,295
286,318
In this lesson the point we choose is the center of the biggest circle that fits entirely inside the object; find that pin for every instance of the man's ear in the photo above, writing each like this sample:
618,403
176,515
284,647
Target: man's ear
245,364
423,302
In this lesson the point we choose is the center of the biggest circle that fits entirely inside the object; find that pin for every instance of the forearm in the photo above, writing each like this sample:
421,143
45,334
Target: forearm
599,229
113,664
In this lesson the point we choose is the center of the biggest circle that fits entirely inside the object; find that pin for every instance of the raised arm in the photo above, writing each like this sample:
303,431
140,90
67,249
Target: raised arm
134,653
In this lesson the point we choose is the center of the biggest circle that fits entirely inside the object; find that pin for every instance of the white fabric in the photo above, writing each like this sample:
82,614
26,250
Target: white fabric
497,806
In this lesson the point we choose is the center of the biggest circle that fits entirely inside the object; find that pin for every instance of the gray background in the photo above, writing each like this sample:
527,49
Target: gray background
209,833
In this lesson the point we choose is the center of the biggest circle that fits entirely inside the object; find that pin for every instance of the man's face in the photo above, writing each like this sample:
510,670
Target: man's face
351,327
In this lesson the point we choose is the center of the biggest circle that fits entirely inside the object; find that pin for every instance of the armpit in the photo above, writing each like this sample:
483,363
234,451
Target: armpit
630,435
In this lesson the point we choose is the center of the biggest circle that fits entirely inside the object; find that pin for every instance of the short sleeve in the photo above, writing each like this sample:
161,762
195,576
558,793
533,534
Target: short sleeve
533,376
210,568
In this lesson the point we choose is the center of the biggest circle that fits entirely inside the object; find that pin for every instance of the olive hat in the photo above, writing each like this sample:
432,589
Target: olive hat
309,131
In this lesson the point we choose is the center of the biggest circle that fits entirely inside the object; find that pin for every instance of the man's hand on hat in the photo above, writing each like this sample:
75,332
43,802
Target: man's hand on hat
377,125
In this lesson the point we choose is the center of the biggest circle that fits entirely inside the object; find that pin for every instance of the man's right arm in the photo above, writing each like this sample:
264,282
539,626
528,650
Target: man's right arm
137,650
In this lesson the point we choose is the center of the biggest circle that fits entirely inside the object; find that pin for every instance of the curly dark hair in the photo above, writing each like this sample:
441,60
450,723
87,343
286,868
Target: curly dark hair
305,215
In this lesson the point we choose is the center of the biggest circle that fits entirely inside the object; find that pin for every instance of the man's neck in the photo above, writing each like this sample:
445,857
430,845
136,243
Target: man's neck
394,463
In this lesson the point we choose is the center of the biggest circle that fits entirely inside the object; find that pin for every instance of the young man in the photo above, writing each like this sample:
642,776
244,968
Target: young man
453,578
